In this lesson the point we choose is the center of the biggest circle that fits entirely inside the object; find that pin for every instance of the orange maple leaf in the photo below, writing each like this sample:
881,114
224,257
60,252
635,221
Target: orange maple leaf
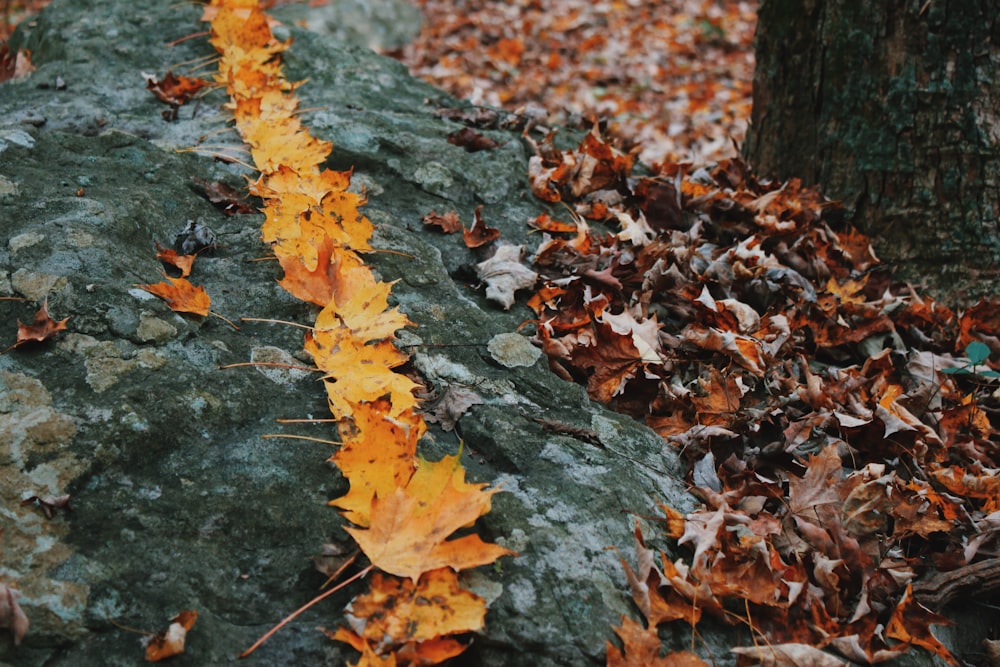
318,285
43,328
642,647
182,262
911,623
479,234
409,529
181,295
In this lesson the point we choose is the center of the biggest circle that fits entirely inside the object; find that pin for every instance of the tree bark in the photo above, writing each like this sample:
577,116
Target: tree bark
892,107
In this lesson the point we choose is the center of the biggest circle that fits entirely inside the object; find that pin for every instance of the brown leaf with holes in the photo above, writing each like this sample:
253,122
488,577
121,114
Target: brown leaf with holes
43,328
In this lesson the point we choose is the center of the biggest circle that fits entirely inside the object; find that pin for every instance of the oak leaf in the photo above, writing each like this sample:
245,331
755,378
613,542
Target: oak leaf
410,527
43,328
181,295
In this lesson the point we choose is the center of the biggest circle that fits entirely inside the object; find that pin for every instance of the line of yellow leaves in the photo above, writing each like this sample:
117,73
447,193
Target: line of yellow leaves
403,508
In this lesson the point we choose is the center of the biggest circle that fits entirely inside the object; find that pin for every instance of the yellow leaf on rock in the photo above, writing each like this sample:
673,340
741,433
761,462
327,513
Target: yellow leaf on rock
409,528
399,612
378,455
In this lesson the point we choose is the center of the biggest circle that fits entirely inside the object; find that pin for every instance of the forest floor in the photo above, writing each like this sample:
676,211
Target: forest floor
671,79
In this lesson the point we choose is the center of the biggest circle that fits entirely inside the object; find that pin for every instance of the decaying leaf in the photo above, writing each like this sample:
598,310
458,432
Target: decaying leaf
785,655
14,66
170,642
181,295
11,616
504,274
42,329
451,406
226,198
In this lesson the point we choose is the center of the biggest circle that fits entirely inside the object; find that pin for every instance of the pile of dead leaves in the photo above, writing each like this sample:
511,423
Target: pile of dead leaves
671,78
840,428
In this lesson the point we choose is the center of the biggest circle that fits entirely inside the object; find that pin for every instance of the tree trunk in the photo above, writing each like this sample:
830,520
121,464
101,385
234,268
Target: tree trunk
892,107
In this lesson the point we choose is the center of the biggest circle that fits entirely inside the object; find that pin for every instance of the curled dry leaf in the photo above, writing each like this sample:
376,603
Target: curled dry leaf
43,328
230,200
170,642
12,617
455,402
479,234
169,256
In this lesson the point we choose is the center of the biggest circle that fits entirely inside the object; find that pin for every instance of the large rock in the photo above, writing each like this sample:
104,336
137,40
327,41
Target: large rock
178,501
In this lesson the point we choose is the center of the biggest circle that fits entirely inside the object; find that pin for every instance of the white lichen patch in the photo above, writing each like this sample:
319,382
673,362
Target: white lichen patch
513,350
26,240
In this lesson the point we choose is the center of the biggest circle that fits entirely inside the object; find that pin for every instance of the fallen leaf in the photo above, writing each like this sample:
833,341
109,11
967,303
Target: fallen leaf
409,529
450,408
479,234
911,623
230,200
181,295
43,328
169,256
504,274
170,642
174,90
11,616
447,222
471,140
785,655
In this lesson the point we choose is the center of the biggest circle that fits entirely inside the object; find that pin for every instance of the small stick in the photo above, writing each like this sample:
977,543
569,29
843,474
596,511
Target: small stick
301,437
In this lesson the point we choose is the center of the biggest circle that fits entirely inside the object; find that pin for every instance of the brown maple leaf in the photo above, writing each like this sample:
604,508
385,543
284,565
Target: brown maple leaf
230,200
479,234
43,328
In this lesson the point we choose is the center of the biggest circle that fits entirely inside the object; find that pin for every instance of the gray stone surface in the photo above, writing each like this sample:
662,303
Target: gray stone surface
179,502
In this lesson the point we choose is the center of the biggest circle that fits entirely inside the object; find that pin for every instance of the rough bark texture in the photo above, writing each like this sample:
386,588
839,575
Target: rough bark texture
893,108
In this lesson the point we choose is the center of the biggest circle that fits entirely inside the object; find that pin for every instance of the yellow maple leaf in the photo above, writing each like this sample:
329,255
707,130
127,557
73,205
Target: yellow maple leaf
378,455
409,529
181,295
365,314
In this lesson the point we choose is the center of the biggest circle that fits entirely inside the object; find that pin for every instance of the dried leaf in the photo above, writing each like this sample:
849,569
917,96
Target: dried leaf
447,222
479,234
174,90
169,256
43,328
409,529
170,642
471,140
181,295
504,274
